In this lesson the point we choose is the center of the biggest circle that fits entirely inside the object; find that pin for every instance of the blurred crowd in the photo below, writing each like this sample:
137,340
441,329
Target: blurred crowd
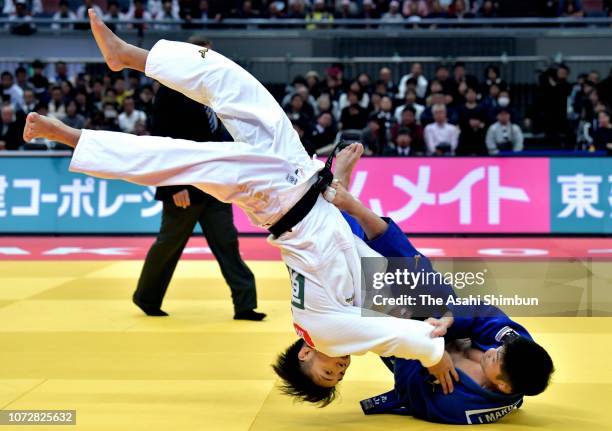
318,13
452,112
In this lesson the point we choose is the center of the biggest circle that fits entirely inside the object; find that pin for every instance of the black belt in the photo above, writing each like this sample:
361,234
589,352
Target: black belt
301,209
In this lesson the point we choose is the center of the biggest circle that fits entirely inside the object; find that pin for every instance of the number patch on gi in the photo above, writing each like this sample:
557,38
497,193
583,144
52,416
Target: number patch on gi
297,288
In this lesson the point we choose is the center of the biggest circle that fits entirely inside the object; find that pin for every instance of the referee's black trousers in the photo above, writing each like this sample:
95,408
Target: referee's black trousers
216,220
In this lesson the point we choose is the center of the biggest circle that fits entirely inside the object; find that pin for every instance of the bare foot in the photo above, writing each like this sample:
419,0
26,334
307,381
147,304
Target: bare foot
110,45
345,162
52,129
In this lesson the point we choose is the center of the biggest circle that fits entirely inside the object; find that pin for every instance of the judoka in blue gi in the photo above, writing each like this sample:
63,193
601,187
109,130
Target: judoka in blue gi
496,359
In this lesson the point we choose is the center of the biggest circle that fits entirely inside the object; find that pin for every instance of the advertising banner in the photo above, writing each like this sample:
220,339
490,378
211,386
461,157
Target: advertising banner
423,195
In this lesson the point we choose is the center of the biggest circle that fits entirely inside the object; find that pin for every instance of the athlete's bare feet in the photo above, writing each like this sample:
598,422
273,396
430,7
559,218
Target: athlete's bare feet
346,161
52,129
112,48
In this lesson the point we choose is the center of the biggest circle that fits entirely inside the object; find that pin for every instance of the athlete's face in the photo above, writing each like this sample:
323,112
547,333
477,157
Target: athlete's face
491,364
322,369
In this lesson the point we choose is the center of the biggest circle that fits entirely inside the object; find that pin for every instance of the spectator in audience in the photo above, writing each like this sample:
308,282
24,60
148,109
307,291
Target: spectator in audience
114,14
442,76
409,121
409,101
437,11
61,73
38,80
296,9
369,11
363,97
324,104
246,11
10,7
324,132
504,135
488,9
121,90
354,116
594,77
392,16
412,14
441,137
313,82
63,14
11,92
110,117
402,146
490,102
145,100
570,8
385,77
319,17
374,137
29,101
416,73
57,109
427,117
137,11
472,140
333,83
492,76
470,108
73,118
83,106
300,87
156,8
21,78
11,130
295,110
421,7
458,9
602,136
20,23
346,10
167,13
130,116
365,81
462,81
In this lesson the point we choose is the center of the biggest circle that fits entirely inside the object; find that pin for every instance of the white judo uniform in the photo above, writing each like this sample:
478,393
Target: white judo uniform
265,172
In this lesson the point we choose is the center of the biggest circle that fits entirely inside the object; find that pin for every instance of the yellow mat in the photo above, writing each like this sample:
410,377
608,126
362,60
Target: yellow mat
71,339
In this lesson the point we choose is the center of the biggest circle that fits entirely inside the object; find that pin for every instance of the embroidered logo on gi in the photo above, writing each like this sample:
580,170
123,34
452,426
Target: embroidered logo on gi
291,179
297,289
203,52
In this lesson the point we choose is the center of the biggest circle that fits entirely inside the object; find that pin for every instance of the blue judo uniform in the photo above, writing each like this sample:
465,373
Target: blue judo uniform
415,394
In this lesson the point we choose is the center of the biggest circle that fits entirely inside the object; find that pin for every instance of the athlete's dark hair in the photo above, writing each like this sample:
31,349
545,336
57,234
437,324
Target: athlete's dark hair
526,366
296,383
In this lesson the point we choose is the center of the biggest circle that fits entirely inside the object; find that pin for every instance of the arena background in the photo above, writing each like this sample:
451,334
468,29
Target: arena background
72,247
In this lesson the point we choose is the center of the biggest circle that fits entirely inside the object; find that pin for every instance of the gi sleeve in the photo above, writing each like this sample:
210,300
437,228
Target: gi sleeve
485,325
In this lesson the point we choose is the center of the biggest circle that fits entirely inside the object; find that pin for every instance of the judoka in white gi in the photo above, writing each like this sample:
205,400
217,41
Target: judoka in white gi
266,171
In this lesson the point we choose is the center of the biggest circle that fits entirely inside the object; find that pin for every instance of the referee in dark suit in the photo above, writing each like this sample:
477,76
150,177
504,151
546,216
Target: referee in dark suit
179,117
